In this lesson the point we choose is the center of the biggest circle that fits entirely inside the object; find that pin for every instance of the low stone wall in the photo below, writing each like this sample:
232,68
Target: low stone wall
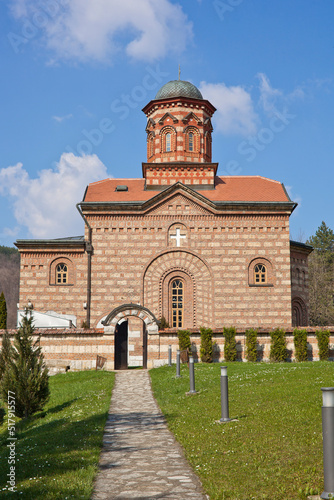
168,337
73,348
77,349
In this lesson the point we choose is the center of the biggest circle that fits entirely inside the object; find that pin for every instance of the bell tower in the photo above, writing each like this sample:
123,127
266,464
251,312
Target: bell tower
179,137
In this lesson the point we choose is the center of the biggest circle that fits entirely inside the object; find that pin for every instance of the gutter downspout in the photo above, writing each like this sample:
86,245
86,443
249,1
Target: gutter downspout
89,250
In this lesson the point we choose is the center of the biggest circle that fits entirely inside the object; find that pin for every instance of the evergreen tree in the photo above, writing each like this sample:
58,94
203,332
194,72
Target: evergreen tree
25,372
321,277
323,240
3,312
6,354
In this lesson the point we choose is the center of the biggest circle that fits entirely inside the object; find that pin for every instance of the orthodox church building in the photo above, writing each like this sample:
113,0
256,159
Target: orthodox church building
179,242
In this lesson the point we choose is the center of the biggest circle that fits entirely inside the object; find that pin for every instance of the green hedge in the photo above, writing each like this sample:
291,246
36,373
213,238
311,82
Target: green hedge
206,345
251,344
323,344
230,346
184,340
278,351
300,343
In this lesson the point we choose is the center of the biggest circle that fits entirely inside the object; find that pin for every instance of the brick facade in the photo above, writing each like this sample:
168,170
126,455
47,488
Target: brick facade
180,221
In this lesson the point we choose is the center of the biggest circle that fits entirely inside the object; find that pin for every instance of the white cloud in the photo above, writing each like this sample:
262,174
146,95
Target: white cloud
87,30
268,95
46,204
60,119
235,112
271,98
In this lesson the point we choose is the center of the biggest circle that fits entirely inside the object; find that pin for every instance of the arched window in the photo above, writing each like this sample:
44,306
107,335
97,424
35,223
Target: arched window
61,274
177,289
260,274
168,141
150,146
208,144
191,141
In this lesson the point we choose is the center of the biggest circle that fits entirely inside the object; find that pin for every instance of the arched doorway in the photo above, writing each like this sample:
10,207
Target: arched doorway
121,346
130,324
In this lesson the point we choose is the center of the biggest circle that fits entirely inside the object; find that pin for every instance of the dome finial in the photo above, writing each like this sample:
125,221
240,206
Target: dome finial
179,72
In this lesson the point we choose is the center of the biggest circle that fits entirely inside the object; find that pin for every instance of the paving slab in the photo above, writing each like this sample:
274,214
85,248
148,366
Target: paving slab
140,458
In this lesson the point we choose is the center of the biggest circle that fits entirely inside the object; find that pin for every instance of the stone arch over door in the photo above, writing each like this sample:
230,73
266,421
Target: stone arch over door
187,263
126,310
144,340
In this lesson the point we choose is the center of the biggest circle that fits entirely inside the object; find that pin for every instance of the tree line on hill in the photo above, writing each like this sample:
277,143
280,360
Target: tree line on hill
9,281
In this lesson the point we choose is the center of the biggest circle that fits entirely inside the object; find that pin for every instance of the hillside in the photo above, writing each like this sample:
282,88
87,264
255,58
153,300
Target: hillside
9,281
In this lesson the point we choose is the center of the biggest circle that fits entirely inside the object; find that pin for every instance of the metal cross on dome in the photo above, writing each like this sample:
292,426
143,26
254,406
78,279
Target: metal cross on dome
178,236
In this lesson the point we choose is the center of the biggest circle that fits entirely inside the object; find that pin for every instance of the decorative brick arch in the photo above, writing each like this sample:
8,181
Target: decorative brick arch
197,139
186,263
70,270
168,129
269,269
127,310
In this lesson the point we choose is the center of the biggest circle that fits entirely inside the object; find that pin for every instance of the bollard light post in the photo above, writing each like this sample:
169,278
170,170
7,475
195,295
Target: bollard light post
327,411
169,355
224,394
192,375
178,364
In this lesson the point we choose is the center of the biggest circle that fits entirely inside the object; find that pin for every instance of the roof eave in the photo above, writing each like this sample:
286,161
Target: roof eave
201,102
217,206
302,246
48,243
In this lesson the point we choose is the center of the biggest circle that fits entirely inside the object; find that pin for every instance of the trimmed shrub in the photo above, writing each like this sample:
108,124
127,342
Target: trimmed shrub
184,344
300,342
206,350
230,346
323,344
278,351
251,344
163,323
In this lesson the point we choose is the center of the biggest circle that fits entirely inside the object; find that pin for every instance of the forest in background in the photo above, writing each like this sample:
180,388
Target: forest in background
321,277
9,281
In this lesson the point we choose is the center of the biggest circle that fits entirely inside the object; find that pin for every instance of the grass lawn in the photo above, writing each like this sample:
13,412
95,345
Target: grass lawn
57,451
274,449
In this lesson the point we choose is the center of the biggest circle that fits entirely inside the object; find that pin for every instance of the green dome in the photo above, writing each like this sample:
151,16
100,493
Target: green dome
178,88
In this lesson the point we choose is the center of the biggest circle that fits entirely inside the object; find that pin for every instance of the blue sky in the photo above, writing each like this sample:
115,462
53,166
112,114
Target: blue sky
76,74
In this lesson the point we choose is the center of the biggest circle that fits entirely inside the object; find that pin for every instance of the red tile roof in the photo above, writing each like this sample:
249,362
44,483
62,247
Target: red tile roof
229,188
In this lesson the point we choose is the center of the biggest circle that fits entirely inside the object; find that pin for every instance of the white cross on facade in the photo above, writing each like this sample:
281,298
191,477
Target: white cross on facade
178,237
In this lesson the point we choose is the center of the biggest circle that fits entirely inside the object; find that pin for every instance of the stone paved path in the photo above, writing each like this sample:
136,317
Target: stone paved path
140,458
